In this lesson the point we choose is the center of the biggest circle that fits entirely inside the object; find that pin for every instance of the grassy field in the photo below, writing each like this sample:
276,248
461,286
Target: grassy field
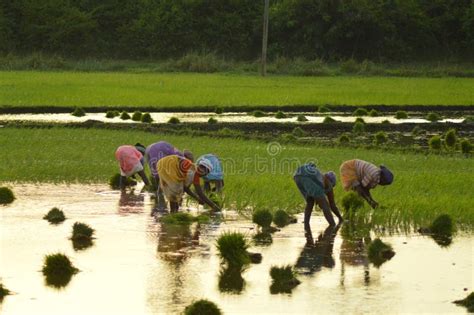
30,88
425,185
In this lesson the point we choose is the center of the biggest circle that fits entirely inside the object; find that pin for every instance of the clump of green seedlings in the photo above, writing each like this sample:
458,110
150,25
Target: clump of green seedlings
3,292
281,218
435,143
78,112
146,118
468,120
280,115
125,116
58,270
468,302
263,218
301,118
324,109
137,116
450,139
374,113
360,119
344,139
287,137
283,279
379,252
81,231
352,201
417,130
401,114
232,248
433,117
358,127
174,120
328,120
385,122
231,280
114,182
55,216
212,121
202,307
112,114
466,146
183,218
257,113
216,198
219,110
359,112
298,132
6,196
380,138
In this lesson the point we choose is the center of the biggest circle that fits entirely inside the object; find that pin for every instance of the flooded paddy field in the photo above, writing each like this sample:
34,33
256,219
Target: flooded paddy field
139,265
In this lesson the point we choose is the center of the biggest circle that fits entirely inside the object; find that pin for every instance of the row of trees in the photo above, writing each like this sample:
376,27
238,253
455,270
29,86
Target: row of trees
332,29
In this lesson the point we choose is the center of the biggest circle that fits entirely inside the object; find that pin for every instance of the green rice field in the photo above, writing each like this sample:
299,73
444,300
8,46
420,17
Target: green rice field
172,90
257,174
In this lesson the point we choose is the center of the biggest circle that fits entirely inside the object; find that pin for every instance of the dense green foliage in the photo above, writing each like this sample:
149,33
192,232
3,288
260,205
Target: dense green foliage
311,29
58,270
86,156
232,248
6,196
263,218
81,231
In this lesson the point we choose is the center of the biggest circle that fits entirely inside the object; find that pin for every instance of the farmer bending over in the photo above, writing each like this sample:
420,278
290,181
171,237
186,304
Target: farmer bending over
216,176
362,176
131,162
176,176
316,187
155,152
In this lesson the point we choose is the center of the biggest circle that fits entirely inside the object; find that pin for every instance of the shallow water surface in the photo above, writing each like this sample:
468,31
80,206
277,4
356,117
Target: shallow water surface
139,266
202,117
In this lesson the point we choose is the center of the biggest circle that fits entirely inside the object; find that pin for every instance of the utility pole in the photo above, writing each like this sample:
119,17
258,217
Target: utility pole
265,38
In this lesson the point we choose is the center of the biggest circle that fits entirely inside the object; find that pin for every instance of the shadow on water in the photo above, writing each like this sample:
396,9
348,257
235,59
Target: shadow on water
319,253
82,243
58,280
263,239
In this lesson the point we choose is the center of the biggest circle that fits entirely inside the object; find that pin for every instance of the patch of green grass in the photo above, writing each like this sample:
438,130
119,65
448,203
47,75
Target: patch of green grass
283,279
301,118
55,216
78,112
280,115
87,156
112,114
401,114
343,139
81,231
146,118
196,90
183,218
329,120
466,146
202,307
361,112
6,196
263,218
137,116
374,113
125,116
433,117
258,114
174,121
232,248
358,127
58,270
212,121
380,138
468,302
379,252
435,143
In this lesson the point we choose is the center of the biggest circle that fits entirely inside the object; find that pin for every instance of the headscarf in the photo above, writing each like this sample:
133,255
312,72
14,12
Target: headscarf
206,163
141,148
386,176
332,178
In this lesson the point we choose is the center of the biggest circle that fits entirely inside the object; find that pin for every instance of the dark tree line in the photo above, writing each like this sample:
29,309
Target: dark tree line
331,29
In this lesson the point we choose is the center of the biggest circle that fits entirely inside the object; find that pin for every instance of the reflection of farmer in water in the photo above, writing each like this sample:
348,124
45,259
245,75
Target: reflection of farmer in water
318,254
317,187
131,162
176,176
362,176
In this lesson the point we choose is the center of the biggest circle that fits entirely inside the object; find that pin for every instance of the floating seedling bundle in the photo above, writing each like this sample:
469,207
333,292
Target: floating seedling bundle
283,279
379,252
58,270
55,216
6,196
202,307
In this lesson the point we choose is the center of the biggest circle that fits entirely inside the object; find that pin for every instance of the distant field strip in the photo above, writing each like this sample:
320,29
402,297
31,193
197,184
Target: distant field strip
31,88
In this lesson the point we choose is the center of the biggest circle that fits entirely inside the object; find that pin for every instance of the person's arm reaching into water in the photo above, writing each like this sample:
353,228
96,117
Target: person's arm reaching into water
364,192
324,205
202,196
332,204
